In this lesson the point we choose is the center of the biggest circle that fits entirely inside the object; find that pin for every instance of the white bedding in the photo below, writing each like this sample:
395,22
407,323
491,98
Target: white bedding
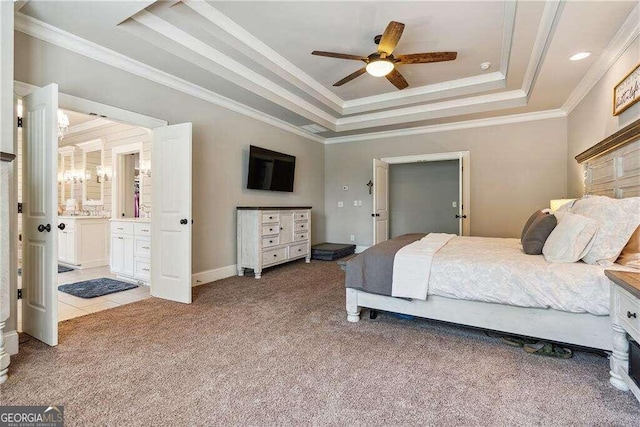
412,266
497,270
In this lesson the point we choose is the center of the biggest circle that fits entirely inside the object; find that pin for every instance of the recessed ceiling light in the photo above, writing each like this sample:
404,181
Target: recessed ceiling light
580,55
485,65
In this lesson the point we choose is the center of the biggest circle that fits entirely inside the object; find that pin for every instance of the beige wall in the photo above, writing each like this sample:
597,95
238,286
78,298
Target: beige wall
592,120
221,140
515,169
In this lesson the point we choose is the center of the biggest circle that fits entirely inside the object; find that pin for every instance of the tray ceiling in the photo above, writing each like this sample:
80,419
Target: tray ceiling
257,54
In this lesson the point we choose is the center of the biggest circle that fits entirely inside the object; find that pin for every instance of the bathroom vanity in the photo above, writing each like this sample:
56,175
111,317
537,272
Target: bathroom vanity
131,249
83,241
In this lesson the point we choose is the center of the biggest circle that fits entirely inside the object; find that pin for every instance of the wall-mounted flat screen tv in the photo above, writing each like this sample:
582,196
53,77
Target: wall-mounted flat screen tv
270,170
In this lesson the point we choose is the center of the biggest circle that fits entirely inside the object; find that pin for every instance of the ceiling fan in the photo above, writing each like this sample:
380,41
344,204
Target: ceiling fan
383,63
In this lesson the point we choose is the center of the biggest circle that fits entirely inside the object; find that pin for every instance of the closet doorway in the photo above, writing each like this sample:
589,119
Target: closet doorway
430,195
424,197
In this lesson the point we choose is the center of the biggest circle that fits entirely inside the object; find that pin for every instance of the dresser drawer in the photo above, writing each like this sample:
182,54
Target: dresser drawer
273,256
301,236
122,227
142,229
301,226
142,269
629,312
298,250
142,247
270,217
301,216
270,241
270,229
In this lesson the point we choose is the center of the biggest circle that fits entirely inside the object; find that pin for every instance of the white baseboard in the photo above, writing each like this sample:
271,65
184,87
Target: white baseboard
361,248
209,276
11,342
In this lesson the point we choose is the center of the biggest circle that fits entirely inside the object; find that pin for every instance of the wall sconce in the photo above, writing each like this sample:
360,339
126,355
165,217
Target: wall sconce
145,168
102,174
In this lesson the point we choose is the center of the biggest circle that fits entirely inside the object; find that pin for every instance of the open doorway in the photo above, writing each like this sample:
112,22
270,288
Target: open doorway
170,276
85,197
382,199
423,197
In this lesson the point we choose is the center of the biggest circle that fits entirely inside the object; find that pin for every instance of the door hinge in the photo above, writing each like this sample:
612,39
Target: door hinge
19,293
19,207
19,122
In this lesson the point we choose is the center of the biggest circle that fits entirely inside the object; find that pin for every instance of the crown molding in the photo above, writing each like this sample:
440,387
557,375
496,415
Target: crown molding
448,127
285,69
272,59
548,23
87,126
458,87
627,34
58,37
235,72
469,105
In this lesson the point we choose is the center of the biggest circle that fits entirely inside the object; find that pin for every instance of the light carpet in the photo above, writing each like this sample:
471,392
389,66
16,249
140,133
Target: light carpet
279,351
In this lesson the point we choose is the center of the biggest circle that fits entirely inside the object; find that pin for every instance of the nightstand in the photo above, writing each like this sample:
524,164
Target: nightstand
625,319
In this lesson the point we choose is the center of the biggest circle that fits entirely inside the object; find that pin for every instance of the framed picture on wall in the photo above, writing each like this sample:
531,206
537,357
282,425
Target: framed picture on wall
627,91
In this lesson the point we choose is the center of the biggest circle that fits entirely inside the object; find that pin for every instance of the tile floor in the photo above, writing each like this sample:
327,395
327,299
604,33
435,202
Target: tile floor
70,306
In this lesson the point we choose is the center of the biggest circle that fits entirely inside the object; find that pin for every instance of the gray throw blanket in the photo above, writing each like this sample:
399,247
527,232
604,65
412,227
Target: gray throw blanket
372,270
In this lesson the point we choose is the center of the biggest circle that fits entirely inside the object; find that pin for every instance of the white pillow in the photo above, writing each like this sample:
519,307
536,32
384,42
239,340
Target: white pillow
571,239
617,220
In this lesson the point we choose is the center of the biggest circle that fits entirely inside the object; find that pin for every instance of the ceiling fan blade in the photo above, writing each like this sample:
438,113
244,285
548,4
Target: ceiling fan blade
423,58
351,76
397,80
338,55
390,37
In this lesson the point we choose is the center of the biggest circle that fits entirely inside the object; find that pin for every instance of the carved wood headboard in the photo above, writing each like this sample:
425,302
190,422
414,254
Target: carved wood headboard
612,166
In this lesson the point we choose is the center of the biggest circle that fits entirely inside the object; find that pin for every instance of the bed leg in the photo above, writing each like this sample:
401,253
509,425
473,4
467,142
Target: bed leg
353,311
373,314
619,358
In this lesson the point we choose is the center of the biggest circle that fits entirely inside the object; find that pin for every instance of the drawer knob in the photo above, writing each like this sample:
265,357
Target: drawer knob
145,269
275,255
145,247
270,241
281,228
631,315
270,217
299,250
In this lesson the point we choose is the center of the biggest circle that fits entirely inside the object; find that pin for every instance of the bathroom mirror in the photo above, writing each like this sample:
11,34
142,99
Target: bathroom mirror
65,174
92,167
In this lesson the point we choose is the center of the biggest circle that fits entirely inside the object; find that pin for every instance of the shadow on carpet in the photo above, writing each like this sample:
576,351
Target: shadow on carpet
96,287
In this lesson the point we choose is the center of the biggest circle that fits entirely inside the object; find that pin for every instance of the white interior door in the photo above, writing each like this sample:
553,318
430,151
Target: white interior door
380,201
171,219
39,215
461,216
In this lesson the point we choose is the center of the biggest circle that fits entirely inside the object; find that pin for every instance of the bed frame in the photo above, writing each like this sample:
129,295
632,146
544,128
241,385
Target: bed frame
583,329
611,169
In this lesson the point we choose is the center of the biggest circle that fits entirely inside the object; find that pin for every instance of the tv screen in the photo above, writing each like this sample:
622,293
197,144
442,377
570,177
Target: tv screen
270,170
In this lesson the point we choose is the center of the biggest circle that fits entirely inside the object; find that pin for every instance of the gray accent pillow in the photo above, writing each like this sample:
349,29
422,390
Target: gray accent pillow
537,234
532,218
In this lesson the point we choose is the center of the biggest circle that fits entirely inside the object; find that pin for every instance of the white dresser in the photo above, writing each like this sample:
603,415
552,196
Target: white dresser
269,236
131,249
83,241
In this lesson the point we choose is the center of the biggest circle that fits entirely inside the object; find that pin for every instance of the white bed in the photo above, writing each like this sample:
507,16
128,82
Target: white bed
566,303
490,283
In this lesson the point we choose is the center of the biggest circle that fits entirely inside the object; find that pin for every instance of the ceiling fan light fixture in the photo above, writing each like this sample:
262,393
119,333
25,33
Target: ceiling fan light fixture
380,67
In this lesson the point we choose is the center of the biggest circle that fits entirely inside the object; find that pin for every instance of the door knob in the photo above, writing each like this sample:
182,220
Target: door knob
42,228
184,221
461,216
61,226
631,315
